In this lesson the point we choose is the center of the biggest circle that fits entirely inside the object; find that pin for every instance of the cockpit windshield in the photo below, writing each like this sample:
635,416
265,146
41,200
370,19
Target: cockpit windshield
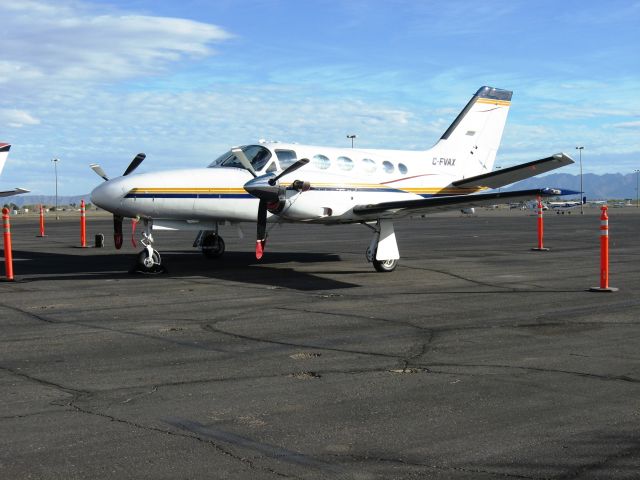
257,155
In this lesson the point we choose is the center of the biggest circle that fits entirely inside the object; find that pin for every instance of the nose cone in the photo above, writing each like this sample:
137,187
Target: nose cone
98,195
108,195
260,188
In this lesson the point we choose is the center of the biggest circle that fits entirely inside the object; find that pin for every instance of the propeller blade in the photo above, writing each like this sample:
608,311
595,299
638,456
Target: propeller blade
244,160
134,164
117,231
98,169
291,168
262,229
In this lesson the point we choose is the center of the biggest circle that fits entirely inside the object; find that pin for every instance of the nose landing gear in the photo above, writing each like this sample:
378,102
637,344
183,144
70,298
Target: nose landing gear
148,260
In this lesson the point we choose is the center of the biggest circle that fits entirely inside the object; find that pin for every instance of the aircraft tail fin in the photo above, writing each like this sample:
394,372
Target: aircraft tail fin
471,142
4,153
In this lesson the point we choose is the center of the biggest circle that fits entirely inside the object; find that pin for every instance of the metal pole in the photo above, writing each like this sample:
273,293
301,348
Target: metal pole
351,137
581,192
55,169
637,196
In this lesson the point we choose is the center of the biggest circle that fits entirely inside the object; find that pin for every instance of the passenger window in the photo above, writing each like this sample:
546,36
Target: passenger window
286,157
321,162
345,163
368,165
403,168
388,167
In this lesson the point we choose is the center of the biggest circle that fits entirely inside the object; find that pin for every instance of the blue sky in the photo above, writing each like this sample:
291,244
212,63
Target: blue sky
99,81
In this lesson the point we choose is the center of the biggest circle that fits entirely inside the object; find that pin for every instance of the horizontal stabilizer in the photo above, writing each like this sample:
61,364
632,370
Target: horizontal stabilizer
403,208
507,176
15,191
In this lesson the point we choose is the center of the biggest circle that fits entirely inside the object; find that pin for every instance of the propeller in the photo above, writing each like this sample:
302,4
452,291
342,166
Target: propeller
261,237
98,169
291,168
244,161
134,164
117,219
270,192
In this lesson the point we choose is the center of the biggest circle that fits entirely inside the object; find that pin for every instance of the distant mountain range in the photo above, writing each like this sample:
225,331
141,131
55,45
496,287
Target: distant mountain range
47,200
596,187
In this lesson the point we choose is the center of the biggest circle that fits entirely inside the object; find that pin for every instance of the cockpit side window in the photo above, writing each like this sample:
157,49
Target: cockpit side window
257,155
286,158
224,158
272,167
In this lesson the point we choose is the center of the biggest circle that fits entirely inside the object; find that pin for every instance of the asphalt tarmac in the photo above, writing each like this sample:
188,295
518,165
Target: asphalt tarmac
477,358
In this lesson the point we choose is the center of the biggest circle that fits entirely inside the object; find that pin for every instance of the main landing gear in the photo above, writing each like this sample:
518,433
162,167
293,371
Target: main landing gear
148,260
211,244
383,249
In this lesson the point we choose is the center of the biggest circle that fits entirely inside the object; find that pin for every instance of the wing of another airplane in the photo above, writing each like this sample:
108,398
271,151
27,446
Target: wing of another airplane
15,191
507,176
403,208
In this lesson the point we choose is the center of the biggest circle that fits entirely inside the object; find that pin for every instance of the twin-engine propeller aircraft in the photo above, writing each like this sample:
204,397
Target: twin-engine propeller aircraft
4,153
331,186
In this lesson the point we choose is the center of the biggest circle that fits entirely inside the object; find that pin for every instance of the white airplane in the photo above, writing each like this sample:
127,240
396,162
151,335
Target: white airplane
331,186
4,153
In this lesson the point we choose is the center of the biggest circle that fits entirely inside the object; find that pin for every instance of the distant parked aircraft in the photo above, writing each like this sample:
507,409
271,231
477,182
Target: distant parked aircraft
4,153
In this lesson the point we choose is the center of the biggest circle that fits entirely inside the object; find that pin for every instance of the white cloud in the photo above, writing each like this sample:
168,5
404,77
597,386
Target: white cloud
635,125
16,118
64,41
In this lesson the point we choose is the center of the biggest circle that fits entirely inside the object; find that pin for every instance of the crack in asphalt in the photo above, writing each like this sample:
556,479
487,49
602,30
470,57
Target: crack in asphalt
46,383
272,451
621,378
440,468
577,472
75,407
211,328
27,415
28,314
78,394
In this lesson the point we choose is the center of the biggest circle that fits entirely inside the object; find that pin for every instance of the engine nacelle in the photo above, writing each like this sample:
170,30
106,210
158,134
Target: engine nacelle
313,205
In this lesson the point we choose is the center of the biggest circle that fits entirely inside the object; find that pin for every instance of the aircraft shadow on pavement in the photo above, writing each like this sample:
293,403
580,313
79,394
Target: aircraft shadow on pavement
234,266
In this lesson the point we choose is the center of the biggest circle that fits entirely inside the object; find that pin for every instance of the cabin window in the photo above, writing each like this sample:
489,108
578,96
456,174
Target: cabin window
272,167
388,167
368,165
345,163
403,168
321,162
286,158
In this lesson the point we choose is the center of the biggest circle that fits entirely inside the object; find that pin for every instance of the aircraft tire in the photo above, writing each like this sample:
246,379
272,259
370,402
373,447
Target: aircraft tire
385,266
146,265
213,246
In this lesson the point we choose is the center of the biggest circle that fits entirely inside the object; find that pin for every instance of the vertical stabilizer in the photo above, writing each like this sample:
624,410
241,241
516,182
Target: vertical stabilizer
4,153
471,142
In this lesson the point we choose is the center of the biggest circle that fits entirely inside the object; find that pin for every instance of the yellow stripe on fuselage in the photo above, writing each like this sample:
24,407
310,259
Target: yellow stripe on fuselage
188,190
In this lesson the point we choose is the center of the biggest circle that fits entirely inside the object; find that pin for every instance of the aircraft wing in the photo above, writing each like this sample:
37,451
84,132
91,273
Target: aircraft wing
404,208
507,176
15,191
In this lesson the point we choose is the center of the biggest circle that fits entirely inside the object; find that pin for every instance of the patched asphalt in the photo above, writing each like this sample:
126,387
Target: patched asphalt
477,358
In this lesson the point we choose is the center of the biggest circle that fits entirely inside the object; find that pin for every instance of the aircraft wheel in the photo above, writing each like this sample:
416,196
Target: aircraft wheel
148,264
385,265
213,246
